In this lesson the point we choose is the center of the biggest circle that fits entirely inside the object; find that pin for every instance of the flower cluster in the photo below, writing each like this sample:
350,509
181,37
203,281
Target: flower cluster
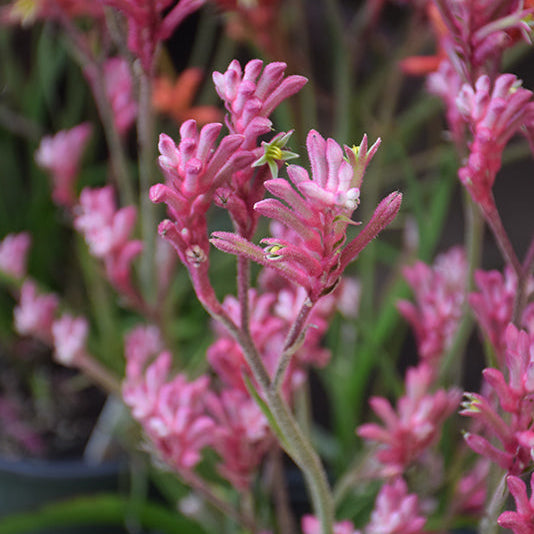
415,426
107,232
318,214
515,396
440,294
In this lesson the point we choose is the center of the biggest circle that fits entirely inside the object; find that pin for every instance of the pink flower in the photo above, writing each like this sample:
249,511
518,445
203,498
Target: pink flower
69,336
440,294
396,511
494,114
415,426
60,156
478,33
107,232
193,171
26,12
515,396
170,410
34,314
250,96
319,214
178,426
522,520
118,84
311,525
13,254
241,436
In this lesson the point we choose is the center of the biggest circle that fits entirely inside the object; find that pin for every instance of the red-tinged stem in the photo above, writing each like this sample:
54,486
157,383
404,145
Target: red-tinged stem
491,214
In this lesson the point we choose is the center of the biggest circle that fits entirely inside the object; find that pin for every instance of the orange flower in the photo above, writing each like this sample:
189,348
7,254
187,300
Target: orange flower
176,98
421,65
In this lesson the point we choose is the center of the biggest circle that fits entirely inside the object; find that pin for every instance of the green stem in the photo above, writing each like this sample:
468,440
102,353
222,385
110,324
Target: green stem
488,524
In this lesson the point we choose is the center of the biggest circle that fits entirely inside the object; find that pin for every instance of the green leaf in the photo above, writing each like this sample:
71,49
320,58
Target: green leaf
103,509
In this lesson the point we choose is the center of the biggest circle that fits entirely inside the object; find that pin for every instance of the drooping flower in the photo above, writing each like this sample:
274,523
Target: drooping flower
440,294
522,520
416,424
318,212
60,156
35,312
13,254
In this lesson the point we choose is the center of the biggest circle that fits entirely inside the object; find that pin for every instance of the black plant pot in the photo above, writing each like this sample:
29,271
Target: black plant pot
26,485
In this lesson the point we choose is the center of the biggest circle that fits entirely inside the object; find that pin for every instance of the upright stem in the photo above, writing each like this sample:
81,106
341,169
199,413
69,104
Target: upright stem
147,157
488,524
292,344
243,285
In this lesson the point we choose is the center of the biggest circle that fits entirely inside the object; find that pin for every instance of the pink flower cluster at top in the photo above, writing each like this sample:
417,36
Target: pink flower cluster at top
60,156
107,232
317,217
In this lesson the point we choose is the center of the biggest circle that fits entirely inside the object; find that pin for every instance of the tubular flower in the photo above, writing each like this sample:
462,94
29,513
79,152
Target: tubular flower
416,424
60,156
522,520
194,169
251,95
13,254
494,115
440,294
515,397
318,212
